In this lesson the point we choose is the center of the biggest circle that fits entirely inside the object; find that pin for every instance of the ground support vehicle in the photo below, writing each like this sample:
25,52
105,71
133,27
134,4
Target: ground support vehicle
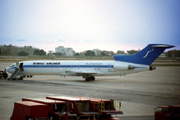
104,107
3,74
167,112
64,108
75,106
27,110
89,108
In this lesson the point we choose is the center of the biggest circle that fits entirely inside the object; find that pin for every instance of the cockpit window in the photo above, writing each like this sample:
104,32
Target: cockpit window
13,65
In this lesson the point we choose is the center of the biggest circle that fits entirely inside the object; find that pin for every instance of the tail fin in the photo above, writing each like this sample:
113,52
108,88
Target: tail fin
145,56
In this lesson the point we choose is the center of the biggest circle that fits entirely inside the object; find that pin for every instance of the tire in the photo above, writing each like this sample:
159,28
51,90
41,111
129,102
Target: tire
21,78
5,75
90,78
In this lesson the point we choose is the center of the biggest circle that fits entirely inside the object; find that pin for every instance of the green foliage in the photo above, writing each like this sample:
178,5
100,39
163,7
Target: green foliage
23,53
103,53
39,52
77,54
173,53
58,54
89,53
121,52
14,50
132,52
107,53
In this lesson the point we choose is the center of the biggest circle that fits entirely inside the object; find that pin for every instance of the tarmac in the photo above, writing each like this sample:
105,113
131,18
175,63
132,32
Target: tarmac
139,93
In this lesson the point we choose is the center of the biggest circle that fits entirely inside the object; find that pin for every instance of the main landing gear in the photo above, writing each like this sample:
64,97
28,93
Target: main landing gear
17,78
89,78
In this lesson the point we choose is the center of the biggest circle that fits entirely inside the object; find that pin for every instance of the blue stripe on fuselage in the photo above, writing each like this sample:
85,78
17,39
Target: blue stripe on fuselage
71,66
68,66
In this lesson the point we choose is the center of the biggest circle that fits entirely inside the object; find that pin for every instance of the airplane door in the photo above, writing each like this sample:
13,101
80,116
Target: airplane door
21,67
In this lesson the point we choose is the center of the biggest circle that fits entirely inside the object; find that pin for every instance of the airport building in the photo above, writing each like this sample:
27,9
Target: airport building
97,52
65,51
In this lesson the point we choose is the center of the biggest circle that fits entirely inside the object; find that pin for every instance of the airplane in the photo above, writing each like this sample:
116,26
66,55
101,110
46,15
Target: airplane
121,65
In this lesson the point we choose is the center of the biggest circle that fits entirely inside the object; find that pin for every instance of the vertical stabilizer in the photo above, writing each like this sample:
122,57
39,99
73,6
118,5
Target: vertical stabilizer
146,56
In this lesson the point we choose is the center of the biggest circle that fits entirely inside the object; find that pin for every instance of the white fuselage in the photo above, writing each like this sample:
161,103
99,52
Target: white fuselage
78,68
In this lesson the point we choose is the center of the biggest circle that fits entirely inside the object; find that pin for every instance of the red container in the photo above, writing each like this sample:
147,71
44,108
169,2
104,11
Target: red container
72,103
27,109
53,105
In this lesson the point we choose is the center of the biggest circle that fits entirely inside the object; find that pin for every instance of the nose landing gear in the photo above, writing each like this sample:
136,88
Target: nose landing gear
90,78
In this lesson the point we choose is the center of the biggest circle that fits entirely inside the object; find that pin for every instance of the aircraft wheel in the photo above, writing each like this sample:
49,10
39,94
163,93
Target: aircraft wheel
21,78
90,78
5,75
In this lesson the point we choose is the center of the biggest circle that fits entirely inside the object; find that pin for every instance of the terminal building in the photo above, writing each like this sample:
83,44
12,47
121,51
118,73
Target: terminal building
65,51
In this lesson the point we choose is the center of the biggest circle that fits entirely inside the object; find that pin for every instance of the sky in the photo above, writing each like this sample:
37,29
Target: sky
90,24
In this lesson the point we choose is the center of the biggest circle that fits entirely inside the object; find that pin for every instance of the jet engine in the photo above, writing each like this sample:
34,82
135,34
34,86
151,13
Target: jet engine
125,67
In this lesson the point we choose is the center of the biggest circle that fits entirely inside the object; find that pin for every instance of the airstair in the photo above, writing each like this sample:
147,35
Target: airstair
14,74
17,70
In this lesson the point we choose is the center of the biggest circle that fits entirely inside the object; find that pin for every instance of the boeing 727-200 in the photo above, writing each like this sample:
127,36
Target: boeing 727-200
121,65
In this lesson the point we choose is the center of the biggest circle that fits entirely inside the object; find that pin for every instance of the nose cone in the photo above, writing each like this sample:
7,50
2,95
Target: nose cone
6,69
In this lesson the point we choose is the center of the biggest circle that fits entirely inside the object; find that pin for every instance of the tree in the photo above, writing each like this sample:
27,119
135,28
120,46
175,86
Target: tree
103,53
89,53
173,53
23,53
39,52
132,52
77,54
59,54
121,52
107,53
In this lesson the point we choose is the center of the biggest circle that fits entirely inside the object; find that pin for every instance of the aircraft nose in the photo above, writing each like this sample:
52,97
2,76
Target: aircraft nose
7,69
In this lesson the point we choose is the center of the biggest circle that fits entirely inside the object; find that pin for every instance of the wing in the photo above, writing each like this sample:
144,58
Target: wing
81,73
